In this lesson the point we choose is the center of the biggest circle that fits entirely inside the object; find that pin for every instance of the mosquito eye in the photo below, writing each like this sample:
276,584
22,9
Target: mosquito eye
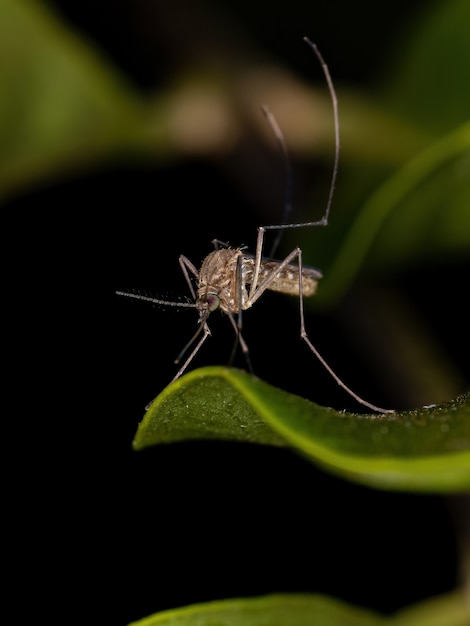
212,302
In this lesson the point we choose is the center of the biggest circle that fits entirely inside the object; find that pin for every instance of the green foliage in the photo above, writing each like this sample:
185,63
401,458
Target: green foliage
423,450
423,207
66,108
305,610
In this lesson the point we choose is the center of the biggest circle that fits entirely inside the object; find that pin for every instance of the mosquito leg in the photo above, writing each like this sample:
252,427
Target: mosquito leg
217,243
237,325
207,332
282,145
258,255
334,102
239,302
288,175
304,336
186,267
240,341
257,290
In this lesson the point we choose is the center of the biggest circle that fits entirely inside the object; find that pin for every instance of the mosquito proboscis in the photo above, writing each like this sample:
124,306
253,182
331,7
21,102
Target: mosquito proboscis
232,280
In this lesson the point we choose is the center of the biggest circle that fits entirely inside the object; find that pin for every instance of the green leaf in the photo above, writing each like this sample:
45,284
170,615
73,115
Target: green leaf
308,610
62,106
430,83
424,450
274,610
423,206
451,609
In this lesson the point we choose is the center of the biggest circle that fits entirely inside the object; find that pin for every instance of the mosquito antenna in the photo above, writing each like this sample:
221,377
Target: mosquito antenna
139,296
192,305
276,129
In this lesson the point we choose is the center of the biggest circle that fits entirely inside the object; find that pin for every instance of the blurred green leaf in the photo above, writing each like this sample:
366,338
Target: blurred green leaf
307,610
423,450
429,82
61,105
274,610
420,210
451,609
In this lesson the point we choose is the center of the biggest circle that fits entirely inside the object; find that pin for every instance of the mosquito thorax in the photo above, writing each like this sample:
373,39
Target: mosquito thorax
218,266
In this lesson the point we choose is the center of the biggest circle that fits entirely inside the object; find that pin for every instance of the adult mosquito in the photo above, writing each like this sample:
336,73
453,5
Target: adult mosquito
232,280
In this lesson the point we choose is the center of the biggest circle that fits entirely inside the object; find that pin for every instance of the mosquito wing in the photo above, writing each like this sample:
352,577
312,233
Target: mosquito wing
286,280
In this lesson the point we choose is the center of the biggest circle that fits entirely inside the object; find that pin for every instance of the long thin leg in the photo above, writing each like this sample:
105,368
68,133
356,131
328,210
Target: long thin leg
206,333
237,325
278,133
186,265
243,345
258,254
288,174
239,300
304,336
257,291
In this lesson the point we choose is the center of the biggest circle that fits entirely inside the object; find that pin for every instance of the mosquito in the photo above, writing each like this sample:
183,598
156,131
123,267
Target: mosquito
232,280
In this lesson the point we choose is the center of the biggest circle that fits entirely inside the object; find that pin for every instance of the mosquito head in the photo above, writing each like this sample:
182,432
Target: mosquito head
207,303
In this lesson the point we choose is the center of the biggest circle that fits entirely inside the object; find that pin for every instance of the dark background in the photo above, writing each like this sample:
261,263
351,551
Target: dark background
117,535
